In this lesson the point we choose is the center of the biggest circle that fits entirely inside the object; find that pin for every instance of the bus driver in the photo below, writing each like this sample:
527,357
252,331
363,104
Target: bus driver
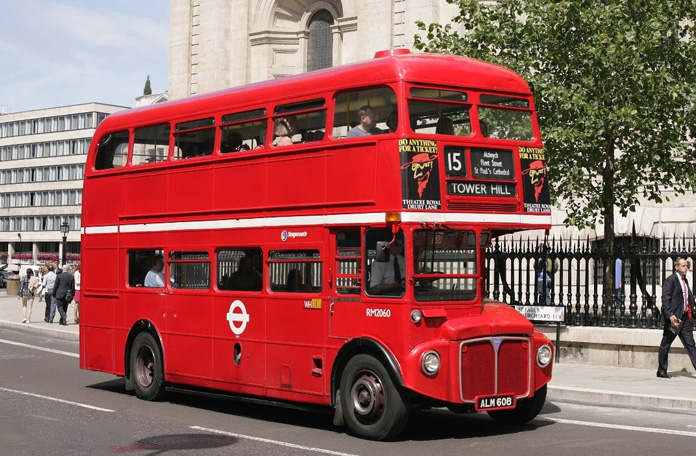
388,277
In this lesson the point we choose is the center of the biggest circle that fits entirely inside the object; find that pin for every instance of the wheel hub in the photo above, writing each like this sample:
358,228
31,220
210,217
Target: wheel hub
368,396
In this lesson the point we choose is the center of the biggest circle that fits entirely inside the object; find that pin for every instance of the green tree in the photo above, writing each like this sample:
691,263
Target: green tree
615,87
147,90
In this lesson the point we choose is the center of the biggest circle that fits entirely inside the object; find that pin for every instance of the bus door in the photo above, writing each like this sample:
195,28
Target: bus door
347,282
295,322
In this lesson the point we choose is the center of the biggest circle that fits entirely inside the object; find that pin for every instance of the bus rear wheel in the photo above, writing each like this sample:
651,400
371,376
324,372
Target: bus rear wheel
526,410
146,368
373,407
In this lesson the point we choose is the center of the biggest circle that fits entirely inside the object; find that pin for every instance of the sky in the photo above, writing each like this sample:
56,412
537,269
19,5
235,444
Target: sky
65,52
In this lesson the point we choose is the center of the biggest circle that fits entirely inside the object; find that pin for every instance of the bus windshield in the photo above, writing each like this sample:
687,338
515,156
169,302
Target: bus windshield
445,265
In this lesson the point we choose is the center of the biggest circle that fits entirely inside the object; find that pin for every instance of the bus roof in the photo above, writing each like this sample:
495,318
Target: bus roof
437,69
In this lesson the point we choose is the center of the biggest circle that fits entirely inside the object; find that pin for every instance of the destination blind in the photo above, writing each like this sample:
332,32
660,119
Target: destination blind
486,165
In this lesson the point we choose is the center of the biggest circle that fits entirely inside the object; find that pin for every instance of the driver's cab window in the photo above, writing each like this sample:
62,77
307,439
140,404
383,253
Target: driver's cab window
446,264
386,264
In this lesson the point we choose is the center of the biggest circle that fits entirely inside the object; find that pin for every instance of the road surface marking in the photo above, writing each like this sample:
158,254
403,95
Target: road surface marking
50,350
62,401
621,426
274,442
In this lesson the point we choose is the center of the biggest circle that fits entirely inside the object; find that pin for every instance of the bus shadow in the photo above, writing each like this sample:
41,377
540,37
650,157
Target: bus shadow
424,425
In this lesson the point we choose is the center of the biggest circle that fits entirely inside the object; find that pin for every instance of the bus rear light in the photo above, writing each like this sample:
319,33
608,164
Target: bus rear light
416,316
430,363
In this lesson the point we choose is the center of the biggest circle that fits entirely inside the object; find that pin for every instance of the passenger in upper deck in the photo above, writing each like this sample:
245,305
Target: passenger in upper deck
392,122
367,122
444,126
285,129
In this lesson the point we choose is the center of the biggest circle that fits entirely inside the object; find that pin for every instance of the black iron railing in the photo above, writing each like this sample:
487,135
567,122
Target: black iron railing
576,276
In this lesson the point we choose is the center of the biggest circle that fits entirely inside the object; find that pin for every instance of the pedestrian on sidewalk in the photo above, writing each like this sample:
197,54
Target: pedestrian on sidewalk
49,281
77,276
677,308
28,288
544,270
63,292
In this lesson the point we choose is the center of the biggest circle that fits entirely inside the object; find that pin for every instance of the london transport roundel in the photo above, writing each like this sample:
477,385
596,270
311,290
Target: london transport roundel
237,317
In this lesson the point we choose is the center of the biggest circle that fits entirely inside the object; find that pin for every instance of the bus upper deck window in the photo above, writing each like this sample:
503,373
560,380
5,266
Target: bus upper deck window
439,111
150,144
112,151
505,117
303,121
243,131
364,113
194,138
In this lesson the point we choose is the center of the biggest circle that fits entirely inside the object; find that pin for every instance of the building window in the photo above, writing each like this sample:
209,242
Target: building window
320,44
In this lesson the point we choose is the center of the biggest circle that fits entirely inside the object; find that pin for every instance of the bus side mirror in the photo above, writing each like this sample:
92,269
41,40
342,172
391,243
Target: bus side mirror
382,252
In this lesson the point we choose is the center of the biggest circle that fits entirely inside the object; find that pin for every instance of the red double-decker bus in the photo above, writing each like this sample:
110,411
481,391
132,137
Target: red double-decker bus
320,239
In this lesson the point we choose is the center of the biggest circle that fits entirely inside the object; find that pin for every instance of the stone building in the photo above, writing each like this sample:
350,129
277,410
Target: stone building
42,162
215,44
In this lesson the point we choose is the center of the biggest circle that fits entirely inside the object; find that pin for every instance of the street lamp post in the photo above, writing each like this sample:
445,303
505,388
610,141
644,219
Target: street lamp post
64,229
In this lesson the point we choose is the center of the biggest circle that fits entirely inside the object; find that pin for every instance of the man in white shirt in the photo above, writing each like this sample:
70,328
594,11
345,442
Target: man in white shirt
388,277
155,276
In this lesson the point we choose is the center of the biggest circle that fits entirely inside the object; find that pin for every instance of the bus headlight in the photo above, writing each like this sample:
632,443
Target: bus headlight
415,315
430,363
544,356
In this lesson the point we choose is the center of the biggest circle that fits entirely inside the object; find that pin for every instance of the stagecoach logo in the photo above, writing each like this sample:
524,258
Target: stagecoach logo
237,315
285,234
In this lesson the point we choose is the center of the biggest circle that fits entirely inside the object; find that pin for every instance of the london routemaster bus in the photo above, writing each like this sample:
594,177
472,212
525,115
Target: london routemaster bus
320,239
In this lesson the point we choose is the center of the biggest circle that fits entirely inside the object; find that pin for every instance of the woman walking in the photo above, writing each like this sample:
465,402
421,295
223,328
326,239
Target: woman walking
28,288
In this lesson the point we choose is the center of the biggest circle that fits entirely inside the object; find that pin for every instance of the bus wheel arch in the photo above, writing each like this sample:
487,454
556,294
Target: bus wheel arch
144,362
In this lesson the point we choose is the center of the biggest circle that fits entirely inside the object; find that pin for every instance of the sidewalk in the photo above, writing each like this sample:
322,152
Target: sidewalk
11,317
585,383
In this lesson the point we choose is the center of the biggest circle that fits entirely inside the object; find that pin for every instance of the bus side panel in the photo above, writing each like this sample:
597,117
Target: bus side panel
296,332
297,180
97,342
103,200
238,327
99,301
191,198
346,180
239,186
145,195
188,341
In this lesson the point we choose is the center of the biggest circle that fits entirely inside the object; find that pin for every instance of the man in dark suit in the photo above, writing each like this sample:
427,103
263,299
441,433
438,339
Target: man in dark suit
677,303
63,292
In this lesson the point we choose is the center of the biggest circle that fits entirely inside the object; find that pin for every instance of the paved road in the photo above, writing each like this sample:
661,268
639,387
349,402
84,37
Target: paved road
49,406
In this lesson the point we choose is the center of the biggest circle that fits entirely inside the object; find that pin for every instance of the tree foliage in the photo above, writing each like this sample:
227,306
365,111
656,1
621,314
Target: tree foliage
615,87
147,90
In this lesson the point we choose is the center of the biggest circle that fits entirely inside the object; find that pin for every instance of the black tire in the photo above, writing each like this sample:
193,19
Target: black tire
373,407
526,410
146,368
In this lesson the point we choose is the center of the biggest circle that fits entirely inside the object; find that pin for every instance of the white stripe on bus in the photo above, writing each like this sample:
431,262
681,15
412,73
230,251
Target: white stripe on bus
318,220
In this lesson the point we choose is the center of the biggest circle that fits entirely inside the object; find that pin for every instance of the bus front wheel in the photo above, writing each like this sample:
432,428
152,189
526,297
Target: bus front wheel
146,368
373,407
526,410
